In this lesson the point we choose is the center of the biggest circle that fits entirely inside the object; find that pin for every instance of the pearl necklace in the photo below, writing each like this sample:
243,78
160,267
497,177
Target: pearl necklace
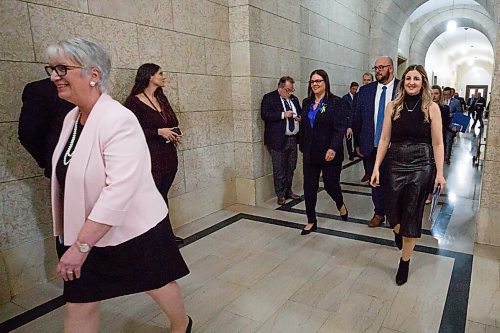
69,153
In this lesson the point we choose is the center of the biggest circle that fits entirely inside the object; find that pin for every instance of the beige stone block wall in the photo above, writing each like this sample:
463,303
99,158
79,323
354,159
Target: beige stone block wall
488,217
334,36
189,39
264,38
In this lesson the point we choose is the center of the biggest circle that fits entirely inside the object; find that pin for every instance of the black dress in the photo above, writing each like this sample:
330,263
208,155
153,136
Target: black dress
164,161
146,262
410,169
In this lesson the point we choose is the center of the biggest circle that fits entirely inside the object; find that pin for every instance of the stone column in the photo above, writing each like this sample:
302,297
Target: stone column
264,38
488,217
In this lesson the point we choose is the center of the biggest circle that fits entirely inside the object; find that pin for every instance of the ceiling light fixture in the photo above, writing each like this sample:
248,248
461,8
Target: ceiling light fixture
464,50
452,24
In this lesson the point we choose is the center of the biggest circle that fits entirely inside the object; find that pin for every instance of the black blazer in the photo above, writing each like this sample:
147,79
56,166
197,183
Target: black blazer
327,133
271,109
445,118
347,105
40,122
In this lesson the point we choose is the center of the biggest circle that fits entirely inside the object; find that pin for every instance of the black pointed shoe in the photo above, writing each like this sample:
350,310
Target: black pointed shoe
346,215
402,274
308,231
190,325
398,239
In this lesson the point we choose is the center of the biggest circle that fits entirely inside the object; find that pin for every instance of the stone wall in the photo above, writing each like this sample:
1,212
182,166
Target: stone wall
334,37
488,217
188,38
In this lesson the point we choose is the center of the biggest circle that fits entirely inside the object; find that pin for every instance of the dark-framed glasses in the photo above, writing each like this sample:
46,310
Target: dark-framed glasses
60,70
288,90
380,67
316,81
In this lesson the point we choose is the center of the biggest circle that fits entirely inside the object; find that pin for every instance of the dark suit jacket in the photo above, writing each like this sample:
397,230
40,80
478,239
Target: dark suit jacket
445,118
471,101
347,103
480,104
327,133
270,111
41,120
362,125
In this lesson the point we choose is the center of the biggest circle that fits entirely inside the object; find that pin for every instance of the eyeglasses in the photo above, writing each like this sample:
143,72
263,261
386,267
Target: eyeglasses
288,90
60,70
316,81
380,68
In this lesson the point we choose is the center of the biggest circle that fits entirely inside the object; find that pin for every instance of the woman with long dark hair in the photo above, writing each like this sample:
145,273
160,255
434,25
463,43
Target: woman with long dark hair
413,128
322,132
159,123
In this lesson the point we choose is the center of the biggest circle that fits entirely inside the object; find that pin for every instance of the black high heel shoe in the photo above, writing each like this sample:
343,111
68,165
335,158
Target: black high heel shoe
398,239
402,274
346,215
190,325
308,231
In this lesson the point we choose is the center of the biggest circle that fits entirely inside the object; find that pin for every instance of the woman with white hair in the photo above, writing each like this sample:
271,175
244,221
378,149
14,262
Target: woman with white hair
113,237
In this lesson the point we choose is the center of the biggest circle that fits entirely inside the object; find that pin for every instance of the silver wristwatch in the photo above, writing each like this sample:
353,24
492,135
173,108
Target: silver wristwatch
83,247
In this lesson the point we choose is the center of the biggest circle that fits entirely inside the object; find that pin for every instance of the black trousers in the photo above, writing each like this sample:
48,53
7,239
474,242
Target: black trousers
377,192
284,164
331,180
479,117
349,146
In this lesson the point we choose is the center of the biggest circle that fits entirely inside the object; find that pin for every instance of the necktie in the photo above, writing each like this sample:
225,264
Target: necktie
291,122
380,115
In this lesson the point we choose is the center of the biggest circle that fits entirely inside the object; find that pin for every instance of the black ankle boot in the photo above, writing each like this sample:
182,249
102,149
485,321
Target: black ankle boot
402,274
398,239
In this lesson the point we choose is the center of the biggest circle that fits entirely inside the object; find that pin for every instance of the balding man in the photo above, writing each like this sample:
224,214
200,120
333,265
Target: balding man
369,105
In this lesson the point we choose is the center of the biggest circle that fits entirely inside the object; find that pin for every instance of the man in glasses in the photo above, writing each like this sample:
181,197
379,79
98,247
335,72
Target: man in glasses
369,105
41,119
280,110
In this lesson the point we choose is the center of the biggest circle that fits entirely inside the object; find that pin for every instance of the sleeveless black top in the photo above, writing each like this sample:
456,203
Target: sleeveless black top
411,126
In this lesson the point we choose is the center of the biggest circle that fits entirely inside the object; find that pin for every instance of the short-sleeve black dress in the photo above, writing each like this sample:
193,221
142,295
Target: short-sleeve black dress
409,171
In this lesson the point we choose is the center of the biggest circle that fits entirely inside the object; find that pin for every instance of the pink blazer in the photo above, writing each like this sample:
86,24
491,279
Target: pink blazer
109,177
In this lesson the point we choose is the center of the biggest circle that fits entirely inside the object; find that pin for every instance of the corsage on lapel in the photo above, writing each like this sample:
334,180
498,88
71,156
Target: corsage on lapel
323,107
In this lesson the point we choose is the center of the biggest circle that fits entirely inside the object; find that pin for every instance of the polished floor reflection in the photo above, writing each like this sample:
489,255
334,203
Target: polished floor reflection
251,271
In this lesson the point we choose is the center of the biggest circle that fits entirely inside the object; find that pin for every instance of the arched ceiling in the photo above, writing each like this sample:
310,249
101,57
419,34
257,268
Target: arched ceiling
389,16
426,28
464,46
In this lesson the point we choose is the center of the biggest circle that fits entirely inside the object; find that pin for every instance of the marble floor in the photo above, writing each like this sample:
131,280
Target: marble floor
252,271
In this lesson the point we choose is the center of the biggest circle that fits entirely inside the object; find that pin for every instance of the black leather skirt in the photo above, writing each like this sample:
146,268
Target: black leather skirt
408,177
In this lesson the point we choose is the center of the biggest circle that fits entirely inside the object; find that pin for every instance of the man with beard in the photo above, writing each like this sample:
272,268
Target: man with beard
369,106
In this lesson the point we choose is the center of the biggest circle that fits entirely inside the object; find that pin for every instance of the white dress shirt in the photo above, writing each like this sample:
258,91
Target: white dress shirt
296,129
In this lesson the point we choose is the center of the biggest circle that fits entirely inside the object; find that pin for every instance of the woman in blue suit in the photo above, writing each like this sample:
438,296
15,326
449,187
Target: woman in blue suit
321,141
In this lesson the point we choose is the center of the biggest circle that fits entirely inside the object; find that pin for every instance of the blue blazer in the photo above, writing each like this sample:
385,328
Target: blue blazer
455,106
363,108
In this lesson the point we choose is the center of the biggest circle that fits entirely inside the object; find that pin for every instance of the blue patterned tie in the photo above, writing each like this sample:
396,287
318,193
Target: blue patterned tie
380,115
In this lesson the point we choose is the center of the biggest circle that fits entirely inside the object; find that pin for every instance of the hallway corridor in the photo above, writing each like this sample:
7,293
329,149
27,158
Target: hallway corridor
251,271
